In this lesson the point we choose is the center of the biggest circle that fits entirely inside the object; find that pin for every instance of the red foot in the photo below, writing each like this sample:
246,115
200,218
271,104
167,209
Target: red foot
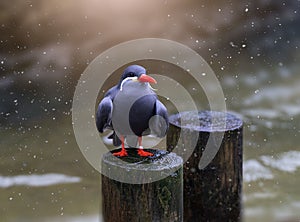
141,152
121,153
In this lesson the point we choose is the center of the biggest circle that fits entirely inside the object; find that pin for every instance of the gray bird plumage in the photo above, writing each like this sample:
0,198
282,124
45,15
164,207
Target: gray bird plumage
132,109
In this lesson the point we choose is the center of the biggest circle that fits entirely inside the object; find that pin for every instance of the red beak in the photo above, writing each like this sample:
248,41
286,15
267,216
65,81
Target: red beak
146,78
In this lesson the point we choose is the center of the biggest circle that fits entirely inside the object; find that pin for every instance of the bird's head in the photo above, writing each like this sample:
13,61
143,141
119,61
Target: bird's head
135,73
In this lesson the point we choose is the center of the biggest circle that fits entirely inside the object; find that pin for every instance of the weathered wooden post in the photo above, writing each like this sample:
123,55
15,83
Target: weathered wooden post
212,193
139,199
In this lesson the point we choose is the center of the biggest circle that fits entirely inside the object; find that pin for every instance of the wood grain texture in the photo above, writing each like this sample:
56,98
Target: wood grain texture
215,192
161,200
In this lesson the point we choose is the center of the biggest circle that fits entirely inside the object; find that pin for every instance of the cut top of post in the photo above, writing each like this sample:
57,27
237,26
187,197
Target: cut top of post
206,121
140,170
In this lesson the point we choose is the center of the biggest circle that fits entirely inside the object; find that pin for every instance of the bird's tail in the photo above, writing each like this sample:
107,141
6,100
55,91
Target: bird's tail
115,138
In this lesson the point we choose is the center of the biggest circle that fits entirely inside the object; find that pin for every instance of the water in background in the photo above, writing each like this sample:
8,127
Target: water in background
253,47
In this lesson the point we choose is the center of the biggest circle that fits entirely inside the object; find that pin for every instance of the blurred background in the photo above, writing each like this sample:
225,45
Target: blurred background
252,46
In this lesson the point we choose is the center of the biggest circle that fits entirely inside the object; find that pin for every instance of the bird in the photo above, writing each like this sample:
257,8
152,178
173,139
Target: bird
132,110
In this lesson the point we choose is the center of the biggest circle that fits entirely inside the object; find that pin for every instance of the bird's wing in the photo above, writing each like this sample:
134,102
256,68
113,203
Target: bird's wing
104,113
159,123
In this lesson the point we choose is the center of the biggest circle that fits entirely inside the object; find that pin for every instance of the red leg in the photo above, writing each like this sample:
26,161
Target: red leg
141,152
123,152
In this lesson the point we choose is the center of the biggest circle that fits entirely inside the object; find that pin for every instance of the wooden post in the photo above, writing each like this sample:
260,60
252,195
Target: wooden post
160,200
214,192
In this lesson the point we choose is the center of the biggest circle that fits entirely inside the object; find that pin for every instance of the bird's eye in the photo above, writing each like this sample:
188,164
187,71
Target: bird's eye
131,74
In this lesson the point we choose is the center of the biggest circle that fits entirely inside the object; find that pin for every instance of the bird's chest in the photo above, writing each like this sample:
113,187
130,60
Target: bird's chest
132,109
129,95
